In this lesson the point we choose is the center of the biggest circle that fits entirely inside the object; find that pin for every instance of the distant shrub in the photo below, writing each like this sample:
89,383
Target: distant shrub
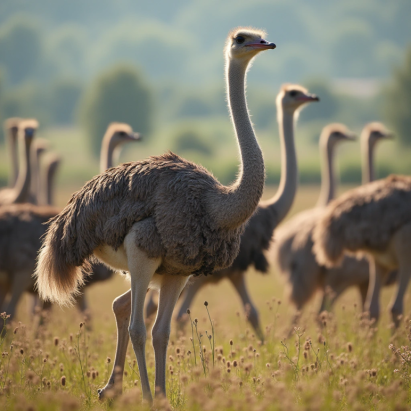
397,98
118,94
64,97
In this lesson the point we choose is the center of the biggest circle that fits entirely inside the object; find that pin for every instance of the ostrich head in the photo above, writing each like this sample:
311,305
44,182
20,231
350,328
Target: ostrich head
120,133
28,128
12,124
41,146
335,133
244,43
374,132
292,97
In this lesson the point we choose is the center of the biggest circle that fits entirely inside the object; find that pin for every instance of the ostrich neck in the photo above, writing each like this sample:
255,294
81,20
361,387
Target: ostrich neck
284,198
107,153
368,172
327,192
237,203
49,184
12,143
35,173
22,188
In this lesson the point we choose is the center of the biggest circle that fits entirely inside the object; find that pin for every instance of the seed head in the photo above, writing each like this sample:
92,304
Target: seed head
56,341
63,380
188,311
206,303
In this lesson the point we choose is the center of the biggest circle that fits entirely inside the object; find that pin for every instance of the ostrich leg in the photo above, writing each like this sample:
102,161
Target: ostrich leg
238,281
171,287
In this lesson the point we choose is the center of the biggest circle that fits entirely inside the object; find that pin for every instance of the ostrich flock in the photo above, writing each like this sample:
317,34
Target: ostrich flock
172,227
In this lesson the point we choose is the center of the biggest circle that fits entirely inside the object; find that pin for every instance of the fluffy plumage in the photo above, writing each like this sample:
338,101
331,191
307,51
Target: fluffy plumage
364,218
106,208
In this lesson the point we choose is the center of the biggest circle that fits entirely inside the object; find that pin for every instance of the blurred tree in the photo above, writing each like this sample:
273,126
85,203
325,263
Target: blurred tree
191,139
20,48
397,97
119,94
64,96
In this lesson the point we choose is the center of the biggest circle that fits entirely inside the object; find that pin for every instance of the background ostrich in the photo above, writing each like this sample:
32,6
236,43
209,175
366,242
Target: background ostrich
21,228
293,248
259,230
20,193
11,126
374,219
162,220
48,179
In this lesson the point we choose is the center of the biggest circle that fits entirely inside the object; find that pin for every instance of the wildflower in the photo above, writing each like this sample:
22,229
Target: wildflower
349,347
15,330
108,360
21,351
56,341
235,363
188,311
231,342
268,365
63,380
81,325
206,303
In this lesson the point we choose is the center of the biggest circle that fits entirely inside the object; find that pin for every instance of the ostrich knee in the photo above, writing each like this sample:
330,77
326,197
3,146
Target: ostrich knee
160,337
138,336
122,307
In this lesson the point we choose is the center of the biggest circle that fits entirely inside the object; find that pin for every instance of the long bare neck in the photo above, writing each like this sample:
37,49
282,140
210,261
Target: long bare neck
22,188
49,183
327,192
107,153
367,165
235,206
35,173
284,198
12,143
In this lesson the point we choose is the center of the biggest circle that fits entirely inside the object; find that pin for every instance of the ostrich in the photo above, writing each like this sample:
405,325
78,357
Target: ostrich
39,147
20,193
162,219
11,126
47,180
269,214
21,228
293,248
375,220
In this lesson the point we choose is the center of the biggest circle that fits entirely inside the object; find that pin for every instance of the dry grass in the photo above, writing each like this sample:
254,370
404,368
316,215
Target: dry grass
343,365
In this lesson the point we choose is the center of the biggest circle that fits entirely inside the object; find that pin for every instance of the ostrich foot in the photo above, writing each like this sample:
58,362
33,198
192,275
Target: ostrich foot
110,391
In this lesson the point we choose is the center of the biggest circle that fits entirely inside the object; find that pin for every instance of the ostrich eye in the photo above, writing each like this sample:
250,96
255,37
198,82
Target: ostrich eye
337,134
240,39
122,133
293,93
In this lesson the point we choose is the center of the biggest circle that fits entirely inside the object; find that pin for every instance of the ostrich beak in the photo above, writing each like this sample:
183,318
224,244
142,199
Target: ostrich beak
263,44
308,98
136,136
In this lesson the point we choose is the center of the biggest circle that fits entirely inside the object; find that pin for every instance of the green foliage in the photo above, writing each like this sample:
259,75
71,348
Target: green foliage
20,48
398,101
64,96
118,94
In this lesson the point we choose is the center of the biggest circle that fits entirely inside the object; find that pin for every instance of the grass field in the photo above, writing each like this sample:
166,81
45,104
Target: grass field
343,365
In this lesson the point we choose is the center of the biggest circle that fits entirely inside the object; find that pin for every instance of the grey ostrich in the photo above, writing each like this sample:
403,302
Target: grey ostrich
11,126
22,226
293,247
162,219
20,193
375,220
259,230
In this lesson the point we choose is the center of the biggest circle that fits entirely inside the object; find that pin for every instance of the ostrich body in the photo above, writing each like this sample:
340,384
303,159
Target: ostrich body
259,230
20,193
162,220
292,249
374,219
22,226
11,126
